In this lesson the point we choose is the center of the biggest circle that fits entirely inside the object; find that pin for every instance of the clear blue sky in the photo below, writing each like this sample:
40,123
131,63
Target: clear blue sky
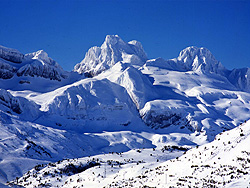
67,29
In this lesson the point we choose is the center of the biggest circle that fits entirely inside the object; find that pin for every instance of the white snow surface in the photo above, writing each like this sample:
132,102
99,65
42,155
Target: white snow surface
125,122
221,163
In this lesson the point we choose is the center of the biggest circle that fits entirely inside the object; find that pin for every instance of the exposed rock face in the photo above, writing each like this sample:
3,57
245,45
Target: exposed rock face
19,105
159,114
7,100
11,54
33,64
39,69
6,70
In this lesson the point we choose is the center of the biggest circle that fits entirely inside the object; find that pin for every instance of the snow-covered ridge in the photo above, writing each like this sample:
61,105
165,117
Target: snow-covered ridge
88,100
43,56
200,59
10,54
113,50
33,64
197,59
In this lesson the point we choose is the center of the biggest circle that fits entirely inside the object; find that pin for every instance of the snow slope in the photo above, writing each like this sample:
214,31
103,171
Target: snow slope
206,102
24,144
89,105
221,163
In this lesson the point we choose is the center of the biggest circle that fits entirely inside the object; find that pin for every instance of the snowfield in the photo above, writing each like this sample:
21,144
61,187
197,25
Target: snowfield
121,120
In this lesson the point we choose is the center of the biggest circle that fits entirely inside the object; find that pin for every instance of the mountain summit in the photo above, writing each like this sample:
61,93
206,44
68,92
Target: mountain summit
113,50
200,59
39,64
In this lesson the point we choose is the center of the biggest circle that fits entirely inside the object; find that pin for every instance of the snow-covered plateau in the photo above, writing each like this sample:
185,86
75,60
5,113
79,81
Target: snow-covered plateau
120,119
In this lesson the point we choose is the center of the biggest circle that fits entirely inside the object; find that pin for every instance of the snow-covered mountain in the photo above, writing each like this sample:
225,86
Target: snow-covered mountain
33,71
12,55
113,50
200,60
39,64
12,62
114,101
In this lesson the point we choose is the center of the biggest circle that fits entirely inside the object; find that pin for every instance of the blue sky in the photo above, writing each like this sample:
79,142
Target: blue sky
67,29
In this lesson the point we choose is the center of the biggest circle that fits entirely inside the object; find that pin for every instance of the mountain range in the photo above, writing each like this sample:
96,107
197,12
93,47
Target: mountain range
121,119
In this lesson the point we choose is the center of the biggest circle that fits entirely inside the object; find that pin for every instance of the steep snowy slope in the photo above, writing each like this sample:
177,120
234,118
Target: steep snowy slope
138,86
113,50
18,105
89,104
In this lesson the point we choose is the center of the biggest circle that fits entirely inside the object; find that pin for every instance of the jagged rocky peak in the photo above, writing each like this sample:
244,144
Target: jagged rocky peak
200,59
113,40
113,50
41,65
189,54
13,62
10,54
43,56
